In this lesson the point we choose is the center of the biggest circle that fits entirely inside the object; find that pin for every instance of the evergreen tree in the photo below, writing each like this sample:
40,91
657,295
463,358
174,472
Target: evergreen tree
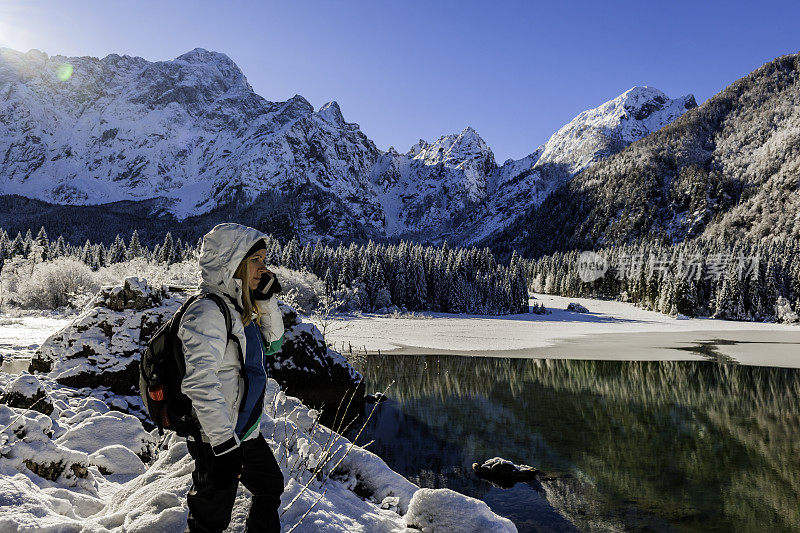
329,284
27,243
18,245
417,286
43,244
134,247
116,252
100,255
180,252
167,251
58,249
291,255
87,255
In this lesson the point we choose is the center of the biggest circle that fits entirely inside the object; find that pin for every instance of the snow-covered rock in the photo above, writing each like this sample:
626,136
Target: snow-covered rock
26,447
575,307
97,432
307,368
26,392
445,511
117,459
504,472
102,346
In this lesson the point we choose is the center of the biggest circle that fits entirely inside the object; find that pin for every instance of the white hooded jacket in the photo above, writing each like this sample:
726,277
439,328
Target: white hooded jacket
213,381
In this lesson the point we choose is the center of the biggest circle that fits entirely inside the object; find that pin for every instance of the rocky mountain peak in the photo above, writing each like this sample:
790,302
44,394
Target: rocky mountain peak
453,149
331,113
297,106
417,148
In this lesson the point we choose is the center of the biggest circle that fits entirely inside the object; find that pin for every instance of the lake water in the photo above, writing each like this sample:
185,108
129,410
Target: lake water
629,445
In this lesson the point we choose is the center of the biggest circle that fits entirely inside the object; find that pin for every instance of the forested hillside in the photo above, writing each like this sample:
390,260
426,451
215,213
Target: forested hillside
728,169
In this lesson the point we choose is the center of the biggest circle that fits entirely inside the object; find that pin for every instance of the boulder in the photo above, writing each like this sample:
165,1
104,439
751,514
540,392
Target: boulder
378,397
27,445
102,346
26,392
117,459
504,473
576,307
305,367
440,510
97,432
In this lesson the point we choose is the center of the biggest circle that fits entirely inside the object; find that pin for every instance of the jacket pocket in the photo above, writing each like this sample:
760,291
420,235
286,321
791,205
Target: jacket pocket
237,401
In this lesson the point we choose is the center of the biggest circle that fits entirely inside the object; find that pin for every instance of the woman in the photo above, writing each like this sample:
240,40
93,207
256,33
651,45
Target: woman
226,384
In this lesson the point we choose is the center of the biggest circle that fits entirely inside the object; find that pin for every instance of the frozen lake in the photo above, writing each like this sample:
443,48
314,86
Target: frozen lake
611,331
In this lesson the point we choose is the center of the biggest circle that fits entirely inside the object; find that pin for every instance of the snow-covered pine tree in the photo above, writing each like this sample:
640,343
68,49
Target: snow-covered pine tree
87,255
318,262
17,246
167,251
43,244
730,303
58,248
117,251
382,298
99,256
396,273
305,257
417,287
327,279
27,243
134,247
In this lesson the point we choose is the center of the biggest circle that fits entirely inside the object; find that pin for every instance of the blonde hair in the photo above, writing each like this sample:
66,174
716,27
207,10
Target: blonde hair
242,273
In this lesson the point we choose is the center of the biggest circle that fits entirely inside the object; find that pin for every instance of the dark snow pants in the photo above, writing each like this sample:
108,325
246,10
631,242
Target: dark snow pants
210,505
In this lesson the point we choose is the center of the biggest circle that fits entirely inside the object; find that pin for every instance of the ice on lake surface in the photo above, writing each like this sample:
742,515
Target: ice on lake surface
20,336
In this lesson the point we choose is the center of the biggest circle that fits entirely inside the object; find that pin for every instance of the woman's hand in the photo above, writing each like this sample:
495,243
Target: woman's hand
267,286
226,468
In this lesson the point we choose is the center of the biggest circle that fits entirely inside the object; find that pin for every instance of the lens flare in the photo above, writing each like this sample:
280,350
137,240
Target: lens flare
64,71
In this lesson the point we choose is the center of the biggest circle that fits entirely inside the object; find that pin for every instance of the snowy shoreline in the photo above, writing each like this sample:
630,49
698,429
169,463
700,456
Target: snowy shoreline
611,330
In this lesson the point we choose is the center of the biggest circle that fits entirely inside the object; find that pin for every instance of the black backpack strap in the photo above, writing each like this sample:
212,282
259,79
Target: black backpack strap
229,327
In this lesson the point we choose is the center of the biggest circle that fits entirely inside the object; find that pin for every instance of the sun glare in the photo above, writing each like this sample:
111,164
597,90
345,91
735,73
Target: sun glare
64,71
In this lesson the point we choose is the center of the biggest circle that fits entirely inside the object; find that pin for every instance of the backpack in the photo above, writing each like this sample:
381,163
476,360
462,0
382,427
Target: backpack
162,368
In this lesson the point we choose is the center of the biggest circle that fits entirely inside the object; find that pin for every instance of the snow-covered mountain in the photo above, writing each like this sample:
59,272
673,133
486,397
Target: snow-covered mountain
453,189
593,135
193,133
190,130
423,189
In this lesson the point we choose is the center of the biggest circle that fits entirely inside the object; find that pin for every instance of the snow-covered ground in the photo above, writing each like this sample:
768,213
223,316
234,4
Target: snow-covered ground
87,469
611,330
80,466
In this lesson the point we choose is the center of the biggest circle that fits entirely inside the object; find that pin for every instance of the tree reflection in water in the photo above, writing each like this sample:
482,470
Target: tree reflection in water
675,445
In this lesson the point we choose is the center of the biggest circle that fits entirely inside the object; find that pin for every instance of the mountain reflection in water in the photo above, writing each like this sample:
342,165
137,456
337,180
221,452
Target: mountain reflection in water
635,445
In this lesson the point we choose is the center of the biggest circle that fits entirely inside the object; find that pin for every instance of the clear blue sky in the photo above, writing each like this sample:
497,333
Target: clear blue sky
405,70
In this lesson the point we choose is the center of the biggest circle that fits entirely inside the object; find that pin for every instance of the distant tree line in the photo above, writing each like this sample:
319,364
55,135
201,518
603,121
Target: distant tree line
410,276
745,281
